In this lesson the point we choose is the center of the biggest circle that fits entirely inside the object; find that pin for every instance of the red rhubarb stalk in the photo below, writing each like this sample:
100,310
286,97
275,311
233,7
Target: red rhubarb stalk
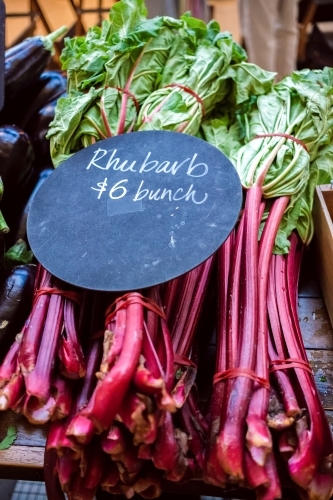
66,468
213,472
165,351
123,109
96,461
111,389
231,438
195,286
33,328
232,302
52,484
70,350
272,490
258,436
196,441
255,475
62,394
114,339
114,442
139,415
171,295
38,381
11,380
304,463
169,450
81,428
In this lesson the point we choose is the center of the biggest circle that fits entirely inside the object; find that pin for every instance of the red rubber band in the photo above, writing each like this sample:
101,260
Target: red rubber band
128,300
281,134
127,92
240,372
179,359
76,297
189,91
285,364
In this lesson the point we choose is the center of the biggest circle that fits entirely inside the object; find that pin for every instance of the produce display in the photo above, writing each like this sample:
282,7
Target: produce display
116,374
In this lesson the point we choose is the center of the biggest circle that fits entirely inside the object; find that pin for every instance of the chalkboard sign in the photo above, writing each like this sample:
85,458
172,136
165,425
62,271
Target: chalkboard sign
134,210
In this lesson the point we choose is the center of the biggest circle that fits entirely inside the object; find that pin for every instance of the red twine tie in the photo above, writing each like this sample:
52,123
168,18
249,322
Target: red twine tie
127,92
281,134
285,364
128,300
191,92
76,297
240,372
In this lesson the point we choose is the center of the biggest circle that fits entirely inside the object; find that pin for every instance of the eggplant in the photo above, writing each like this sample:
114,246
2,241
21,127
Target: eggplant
37,129
49,86
26,61
16,295
16,168
16,158
19,227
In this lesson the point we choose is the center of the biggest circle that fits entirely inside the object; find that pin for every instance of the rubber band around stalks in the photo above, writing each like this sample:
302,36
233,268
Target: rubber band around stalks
191,92
128,299
285,364
56,291
281,134
179,359
240,372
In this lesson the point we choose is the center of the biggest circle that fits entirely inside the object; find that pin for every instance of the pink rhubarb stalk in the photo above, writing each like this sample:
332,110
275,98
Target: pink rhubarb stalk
213,472
38,381
70,350
34,326
305,462
258,436
80,428
111,389
231,437
11,380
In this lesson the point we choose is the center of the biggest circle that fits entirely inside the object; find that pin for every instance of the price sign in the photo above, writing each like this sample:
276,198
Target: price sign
134,210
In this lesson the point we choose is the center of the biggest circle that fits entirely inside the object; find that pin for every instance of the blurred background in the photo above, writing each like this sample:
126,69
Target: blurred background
27,17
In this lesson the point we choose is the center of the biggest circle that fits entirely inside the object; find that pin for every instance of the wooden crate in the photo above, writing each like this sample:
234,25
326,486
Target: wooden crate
323,242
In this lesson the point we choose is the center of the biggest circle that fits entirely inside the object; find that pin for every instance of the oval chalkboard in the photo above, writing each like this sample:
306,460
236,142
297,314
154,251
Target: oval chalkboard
134,210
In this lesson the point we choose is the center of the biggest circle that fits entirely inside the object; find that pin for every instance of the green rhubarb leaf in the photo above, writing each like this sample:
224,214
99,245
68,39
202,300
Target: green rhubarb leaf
125,16
248,79
9,439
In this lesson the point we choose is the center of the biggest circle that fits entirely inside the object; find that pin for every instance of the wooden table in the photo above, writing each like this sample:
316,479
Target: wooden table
24,460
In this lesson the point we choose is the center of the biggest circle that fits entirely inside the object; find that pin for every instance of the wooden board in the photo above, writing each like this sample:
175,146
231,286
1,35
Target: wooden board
27,434
322,213
315,323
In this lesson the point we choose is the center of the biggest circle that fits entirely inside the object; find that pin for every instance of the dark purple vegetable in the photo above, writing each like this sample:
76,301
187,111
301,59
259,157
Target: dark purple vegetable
49,86
16,158
16,169
26,61
37,128
16,293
